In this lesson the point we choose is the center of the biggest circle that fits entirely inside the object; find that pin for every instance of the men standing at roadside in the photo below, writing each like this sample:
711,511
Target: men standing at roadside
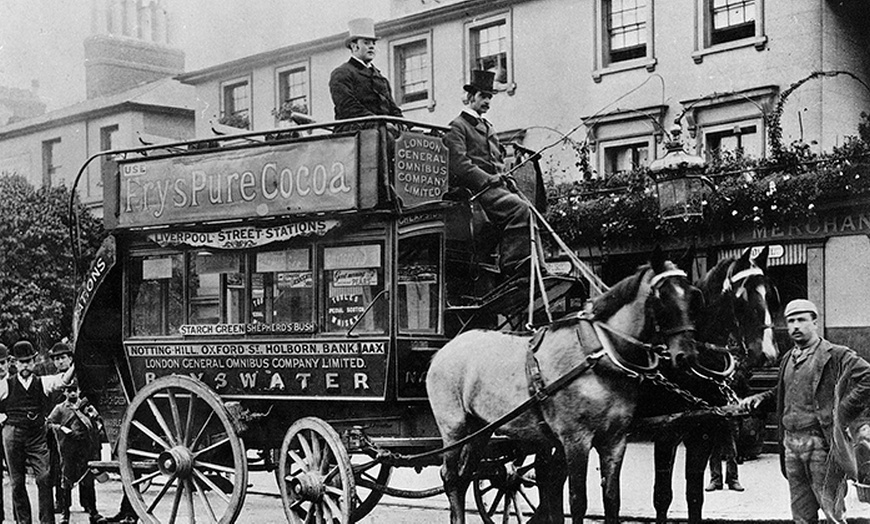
821,388
358,89
476,163
25,400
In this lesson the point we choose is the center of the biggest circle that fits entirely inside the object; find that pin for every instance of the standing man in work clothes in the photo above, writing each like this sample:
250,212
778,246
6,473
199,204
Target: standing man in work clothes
477,162
358,89
821,389
25,400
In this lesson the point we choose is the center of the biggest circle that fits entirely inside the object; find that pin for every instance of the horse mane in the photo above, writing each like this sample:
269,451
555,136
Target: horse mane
622,293
711,284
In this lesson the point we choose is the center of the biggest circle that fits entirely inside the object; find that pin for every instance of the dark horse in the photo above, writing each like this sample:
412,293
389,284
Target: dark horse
736,322
481,375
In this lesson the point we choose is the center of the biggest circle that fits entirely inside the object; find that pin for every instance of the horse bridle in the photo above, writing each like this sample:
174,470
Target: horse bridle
656,282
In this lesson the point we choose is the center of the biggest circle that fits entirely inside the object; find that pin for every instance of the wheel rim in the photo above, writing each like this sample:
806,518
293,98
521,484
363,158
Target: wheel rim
509,495
195,466
317,481
367,498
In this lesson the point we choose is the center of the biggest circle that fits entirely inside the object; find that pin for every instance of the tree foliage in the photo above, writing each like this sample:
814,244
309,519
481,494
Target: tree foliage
36,263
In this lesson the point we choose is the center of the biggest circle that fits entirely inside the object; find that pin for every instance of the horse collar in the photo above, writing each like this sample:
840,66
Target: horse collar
630,368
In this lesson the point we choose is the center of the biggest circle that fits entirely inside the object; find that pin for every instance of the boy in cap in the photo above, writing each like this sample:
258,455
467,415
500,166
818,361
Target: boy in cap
477,162
26,401
76,425
821,388
358,89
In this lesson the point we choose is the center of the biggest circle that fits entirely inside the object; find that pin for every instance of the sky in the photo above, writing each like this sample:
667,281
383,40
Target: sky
43,39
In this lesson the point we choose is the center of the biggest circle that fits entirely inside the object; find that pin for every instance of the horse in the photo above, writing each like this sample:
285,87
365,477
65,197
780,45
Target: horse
736,317
480,375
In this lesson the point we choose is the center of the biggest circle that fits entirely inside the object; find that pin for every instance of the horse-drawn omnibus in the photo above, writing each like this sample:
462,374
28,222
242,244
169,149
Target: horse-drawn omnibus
272,301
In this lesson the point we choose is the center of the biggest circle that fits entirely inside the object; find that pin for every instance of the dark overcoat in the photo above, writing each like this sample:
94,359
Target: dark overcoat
359,91
476,155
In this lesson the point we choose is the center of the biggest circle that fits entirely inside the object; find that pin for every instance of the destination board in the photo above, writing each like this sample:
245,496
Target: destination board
299,369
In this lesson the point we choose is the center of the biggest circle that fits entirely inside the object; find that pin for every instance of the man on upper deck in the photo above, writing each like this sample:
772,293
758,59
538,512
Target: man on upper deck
358,89
477,163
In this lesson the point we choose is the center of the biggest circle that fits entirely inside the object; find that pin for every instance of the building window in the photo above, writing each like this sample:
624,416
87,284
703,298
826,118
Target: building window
623,36
50,163
728,24
293,89
236,104
489,48
625,157
741,140
107,166
626,29
413,70
731,20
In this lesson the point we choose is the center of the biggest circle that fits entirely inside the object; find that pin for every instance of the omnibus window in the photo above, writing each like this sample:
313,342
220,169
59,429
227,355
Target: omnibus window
282,290
419,285
354,280
156,295
217,288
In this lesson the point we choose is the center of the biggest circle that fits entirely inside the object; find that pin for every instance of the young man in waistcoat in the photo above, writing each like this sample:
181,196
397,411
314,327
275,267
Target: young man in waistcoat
25,400
61,356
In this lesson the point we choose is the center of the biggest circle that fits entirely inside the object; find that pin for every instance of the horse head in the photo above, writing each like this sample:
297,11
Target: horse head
740,299
658,301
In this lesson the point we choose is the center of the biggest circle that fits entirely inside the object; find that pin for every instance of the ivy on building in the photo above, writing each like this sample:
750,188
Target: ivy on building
788,187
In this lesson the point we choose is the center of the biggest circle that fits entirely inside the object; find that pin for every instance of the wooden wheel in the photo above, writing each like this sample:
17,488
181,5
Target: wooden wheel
509,494
317,486
180,455
366,497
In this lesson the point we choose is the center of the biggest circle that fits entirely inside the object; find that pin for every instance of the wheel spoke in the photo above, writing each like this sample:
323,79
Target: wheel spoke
309,515
316,453
161,421
188,498
335,469
150,434
149,477
188,427
299,461
494,507
166,487
193,443
517,509
176,502
214,446
338,492
487,489
176,417
527,499
207,481
204,499
306,451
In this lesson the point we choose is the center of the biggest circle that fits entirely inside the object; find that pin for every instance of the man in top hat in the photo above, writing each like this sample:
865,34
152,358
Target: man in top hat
61,356
25,400
821,389
357,87
477,162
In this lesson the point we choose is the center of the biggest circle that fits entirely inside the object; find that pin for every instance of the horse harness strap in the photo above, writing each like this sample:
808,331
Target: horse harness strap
541,392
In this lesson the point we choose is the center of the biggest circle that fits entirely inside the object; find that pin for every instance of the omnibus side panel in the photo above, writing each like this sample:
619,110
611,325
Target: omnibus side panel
324,369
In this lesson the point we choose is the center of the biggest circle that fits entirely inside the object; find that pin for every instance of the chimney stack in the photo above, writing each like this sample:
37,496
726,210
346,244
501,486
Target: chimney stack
129,47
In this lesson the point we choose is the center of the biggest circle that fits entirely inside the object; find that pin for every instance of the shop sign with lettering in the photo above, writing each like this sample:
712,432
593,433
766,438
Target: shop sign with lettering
421,168
347,369
302,177
243,237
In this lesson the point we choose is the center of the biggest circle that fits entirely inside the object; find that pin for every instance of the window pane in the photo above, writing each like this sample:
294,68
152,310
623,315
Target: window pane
354,282
236,100
419,283
625,158
626,29
217,288
489,48
156,295
413,66
728,13
293,85
282,291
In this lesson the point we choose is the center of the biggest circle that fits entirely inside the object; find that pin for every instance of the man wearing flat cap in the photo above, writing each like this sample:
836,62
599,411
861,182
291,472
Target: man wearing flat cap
821,389
25,400
358,89
61,355
476,164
